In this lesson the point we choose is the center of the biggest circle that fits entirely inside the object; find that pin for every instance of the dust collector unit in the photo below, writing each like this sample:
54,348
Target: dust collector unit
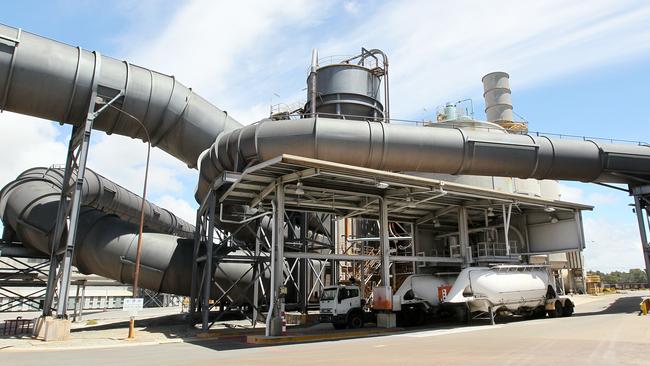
347,90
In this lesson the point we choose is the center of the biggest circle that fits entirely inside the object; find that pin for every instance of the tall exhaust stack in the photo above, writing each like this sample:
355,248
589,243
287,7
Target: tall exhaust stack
498,98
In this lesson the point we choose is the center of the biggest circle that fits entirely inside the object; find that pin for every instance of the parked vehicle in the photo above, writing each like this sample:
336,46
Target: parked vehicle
514,289
417,298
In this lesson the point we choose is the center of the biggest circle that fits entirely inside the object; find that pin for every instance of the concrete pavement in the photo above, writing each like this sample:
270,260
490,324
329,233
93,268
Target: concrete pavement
604,331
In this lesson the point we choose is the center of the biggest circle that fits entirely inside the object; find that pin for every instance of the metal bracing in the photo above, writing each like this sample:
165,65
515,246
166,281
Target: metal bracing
290,233
463,234
384,245
642,209
507,215
274,318
70,204
17,271
211,249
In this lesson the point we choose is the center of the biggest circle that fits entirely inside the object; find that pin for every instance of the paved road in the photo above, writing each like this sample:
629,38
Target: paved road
606,331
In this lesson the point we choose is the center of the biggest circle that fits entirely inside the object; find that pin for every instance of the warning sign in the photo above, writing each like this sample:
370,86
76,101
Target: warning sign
443,291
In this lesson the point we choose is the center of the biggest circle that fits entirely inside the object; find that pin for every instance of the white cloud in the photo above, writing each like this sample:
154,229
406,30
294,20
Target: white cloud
123,159
611,233
593,196
232,52
179,207
571,194
439,50
352,7
27,142
612,245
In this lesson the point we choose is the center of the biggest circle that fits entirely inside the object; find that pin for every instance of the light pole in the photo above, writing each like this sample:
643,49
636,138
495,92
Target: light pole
138,255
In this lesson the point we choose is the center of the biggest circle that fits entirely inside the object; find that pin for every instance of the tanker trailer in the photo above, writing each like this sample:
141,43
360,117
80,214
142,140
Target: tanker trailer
511,289
416,300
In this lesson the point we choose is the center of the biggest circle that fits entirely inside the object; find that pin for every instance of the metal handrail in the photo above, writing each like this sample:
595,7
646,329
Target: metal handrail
426,123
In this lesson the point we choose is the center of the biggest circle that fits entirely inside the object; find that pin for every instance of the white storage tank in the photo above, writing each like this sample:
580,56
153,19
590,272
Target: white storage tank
510,287
430,288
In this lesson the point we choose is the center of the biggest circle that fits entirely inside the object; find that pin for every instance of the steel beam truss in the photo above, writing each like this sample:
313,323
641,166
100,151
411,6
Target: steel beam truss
288,237
65,228
17,272
250,291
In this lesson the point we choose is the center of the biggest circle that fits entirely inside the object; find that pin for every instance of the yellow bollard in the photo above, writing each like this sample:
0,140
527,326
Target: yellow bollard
645,306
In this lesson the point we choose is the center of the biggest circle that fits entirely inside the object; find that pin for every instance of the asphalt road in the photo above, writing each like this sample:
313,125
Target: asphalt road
607,331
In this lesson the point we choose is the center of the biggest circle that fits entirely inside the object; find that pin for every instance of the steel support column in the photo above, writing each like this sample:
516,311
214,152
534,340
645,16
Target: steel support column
334,239
207,269
75,206
463,234
304,271
640,205
384,246
259,268
274,327
61,258
507,215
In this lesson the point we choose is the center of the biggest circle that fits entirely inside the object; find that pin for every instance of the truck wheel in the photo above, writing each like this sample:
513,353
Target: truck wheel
355,321
339,326
461,314
538,313
416,317
555,312
567,309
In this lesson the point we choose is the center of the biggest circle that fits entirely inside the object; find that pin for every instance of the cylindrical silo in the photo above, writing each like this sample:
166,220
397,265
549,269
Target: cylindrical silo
347,90
498,99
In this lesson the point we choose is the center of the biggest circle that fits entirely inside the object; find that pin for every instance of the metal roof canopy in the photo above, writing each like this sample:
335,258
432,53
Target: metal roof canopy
351,191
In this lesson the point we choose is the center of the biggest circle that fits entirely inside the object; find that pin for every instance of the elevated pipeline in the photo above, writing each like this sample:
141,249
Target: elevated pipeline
52,80
108,233
448,150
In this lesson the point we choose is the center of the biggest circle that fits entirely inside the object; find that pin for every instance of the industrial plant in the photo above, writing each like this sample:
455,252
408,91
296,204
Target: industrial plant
331,207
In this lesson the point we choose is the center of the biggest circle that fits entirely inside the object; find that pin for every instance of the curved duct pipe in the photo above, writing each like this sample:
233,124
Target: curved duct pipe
52,80
397,147
104,195
106,244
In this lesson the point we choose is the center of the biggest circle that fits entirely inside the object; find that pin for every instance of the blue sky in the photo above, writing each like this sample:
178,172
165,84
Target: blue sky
575,69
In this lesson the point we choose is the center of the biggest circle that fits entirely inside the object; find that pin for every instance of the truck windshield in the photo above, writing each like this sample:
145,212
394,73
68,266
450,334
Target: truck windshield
328,294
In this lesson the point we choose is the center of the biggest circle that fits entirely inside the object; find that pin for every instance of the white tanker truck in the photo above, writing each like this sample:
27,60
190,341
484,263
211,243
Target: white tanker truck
516,289
476,291
419,296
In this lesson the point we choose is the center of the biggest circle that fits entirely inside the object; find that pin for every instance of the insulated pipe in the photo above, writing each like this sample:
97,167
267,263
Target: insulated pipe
48,79
99,193
106,244
397,147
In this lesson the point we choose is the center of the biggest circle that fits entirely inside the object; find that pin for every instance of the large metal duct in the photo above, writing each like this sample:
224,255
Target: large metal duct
498,99
52,80
410,148
106,240
48,79
99,193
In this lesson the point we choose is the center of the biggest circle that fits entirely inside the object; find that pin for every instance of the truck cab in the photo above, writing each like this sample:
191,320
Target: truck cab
342,306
